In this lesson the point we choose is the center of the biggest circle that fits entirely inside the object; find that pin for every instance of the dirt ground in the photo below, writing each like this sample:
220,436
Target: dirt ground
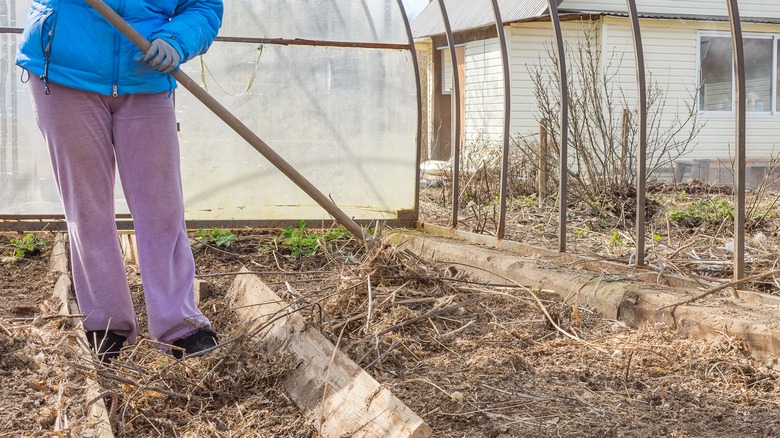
36,349
493,367
689,229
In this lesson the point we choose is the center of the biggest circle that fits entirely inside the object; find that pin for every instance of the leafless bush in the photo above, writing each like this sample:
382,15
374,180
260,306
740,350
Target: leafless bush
602,126
764,196
602,140
480,181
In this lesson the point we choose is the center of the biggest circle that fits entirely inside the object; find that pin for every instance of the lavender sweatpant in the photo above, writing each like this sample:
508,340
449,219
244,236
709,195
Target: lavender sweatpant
89,137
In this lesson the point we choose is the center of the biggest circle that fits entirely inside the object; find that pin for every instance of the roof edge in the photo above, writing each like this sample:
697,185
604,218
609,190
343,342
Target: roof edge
691,17
573,15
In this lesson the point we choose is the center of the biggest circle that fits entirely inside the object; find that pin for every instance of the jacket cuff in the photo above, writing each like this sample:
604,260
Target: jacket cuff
175,44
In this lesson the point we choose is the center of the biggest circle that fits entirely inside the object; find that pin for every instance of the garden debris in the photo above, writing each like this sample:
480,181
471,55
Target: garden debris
495,368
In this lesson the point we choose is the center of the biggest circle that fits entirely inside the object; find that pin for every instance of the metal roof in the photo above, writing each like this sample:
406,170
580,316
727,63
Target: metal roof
689,17
472,14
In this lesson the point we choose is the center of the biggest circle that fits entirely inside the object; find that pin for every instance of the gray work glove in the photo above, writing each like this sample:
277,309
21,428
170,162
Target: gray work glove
162,56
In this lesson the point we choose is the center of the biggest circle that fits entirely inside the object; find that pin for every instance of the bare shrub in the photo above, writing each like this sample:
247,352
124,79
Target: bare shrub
602,140
480,181
602,126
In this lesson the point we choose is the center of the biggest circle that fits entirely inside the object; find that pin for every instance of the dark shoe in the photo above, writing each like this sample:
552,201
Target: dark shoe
199,340
105,344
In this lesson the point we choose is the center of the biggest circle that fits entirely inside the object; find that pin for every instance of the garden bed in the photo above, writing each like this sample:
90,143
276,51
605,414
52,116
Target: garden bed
469,358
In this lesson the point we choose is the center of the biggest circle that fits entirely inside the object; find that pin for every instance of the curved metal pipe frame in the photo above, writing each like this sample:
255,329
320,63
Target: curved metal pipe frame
563,188
501,231
455,105
641,165
741,129
416,63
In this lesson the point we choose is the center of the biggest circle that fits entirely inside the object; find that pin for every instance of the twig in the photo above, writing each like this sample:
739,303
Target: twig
348,320
112,376
691,241
458,330
63,316
428,381
6,330
426,315
517,394
225,274
370,304
628,366
114,402
720,288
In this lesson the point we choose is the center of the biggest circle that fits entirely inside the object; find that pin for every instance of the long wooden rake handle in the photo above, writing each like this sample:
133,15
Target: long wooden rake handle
240,128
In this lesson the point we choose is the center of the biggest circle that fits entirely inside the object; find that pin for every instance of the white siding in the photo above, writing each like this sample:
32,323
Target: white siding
671,60
446,70
747,8
484,96
532,44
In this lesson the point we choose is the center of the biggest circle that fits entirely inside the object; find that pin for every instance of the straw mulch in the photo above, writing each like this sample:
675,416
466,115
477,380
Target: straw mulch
471,359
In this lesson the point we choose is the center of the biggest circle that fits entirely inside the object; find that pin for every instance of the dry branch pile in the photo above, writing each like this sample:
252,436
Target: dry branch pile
471,359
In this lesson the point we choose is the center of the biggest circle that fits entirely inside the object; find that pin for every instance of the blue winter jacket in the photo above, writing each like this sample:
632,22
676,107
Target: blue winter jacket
69,43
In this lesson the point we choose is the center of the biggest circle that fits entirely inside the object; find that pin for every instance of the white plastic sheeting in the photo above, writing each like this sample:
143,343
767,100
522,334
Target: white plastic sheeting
344,117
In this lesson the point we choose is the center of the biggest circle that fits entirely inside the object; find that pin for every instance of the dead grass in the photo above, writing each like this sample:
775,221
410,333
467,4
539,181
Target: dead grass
701,250
471,359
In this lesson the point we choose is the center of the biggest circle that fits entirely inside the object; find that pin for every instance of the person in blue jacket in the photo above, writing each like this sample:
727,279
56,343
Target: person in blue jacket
104,108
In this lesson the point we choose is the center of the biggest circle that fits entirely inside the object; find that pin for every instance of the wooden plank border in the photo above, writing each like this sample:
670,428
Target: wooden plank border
97,416
338,396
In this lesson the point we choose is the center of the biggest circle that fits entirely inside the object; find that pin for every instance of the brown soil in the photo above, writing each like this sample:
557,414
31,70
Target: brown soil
700,249
495,367
34,374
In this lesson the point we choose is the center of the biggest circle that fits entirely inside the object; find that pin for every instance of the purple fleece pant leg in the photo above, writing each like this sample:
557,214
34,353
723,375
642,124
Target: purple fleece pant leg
90,136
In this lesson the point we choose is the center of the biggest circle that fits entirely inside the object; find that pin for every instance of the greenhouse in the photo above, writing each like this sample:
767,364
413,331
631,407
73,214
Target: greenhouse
396,218
331,90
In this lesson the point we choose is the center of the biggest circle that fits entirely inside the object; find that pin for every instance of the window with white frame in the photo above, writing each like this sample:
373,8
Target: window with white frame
716,71
446,71
446,63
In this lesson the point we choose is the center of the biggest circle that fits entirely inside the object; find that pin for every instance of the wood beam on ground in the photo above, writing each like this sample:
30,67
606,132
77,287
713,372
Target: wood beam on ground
336,394
614,295
97,421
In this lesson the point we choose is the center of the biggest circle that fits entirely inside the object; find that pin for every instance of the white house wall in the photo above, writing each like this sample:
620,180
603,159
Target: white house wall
532,44
484,96
671,60
747,8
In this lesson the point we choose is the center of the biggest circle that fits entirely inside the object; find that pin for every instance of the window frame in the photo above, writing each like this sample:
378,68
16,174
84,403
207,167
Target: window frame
444,52
773,107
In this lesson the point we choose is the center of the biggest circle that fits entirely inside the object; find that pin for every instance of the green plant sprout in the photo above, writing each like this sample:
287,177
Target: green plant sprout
216,237
302,242
25,246
705,210
616,240
526,201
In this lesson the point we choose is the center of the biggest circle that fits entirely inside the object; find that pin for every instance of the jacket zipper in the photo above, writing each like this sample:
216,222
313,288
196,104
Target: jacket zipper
115,72
117,43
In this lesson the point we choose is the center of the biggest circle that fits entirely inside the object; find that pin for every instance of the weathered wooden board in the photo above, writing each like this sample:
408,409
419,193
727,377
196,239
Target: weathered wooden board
97,421
332,390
